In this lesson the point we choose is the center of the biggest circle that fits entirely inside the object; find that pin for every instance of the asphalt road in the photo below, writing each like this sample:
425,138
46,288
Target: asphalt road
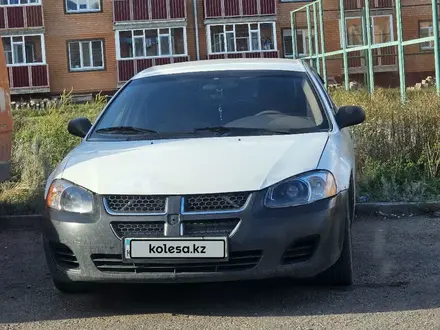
397,286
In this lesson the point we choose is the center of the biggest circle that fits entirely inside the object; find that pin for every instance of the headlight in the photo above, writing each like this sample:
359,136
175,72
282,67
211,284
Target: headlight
303,189
65,196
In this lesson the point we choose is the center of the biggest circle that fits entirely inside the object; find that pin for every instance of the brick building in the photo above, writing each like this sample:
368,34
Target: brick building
96,45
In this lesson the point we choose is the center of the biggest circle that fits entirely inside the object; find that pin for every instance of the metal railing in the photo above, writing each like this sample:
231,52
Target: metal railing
318,58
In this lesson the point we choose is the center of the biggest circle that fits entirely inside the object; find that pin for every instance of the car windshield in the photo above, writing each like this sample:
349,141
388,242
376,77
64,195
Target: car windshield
209,103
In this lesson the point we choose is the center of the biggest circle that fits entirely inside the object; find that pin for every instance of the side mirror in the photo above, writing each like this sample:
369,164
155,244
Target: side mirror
350,116
79,126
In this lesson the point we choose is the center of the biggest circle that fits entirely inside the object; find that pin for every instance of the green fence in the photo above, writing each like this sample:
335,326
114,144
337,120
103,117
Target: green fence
319,57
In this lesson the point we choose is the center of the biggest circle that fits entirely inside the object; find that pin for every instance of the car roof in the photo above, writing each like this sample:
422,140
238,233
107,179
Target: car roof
224,64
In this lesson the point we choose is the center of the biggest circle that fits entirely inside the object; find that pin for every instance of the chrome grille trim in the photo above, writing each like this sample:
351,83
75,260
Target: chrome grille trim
183,199
130,213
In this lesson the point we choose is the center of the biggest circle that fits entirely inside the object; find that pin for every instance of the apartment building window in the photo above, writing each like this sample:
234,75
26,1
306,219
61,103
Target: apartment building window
24,50
382,30
426,30
86,55
82,6
151,43
302,42
19,2
237,38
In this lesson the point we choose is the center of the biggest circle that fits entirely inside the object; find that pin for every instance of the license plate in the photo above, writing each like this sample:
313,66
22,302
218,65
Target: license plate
175,248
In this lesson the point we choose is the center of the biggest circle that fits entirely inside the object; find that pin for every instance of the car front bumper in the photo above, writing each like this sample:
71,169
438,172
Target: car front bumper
296,242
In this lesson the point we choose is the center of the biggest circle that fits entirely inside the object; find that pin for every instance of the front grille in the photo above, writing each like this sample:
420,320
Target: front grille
238,261
221,227
138,229
301,250
64,256
215,202
135,204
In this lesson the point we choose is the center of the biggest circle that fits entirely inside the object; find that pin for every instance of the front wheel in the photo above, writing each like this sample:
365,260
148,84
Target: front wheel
341,272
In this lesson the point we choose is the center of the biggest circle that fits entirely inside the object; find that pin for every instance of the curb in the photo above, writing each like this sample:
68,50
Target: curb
397,209
365,209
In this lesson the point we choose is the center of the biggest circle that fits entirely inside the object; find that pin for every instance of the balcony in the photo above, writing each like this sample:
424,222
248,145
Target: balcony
128,68
239,8
26,62
384,60
27,79
374,4
19,17
141,10
262,54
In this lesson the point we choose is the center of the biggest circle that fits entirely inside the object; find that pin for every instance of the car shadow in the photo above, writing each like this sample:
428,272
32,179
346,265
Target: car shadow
394,271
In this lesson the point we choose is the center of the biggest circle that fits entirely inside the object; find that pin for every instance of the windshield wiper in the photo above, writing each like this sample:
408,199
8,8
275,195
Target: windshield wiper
215,129
224,129
126,129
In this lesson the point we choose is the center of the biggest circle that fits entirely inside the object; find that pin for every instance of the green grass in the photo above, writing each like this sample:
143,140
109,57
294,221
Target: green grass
397,148
40,142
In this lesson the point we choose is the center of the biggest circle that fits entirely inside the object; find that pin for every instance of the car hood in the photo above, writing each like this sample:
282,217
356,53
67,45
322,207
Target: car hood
190,166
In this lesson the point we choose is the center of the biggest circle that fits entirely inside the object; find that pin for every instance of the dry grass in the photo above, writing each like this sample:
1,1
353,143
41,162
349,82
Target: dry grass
40,142
398,147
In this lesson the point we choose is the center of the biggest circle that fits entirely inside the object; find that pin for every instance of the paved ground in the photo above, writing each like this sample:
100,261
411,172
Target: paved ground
397,287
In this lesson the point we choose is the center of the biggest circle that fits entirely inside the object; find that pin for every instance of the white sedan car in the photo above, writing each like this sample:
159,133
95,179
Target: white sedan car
213,170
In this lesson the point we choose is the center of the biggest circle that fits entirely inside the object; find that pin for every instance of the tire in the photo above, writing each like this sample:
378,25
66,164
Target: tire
341,272
71,287
352,199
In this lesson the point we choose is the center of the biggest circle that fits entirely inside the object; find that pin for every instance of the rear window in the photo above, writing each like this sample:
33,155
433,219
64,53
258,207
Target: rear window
257,101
